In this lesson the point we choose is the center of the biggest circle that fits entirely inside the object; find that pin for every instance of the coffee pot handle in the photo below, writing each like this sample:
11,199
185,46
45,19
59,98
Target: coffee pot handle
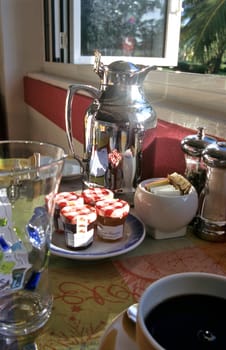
71,91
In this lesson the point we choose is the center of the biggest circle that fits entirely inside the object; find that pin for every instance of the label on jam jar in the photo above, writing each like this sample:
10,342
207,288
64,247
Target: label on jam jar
81,234
110,232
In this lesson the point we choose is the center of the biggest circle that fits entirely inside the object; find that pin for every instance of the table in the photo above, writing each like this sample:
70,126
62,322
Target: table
88,295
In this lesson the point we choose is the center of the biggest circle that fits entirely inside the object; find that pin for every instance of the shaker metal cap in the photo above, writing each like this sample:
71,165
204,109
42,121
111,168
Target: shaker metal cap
215,155
193,145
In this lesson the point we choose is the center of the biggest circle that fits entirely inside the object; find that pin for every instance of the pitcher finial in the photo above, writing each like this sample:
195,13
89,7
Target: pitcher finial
98,66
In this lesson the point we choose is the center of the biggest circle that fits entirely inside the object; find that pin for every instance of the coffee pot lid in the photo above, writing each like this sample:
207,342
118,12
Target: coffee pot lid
124,67
193,145
215,155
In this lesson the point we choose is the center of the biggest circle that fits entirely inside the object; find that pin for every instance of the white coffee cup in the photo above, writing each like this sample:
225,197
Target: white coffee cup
188,283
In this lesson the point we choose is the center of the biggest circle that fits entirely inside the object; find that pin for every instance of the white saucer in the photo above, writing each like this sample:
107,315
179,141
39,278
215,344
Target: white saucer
134,234
120,335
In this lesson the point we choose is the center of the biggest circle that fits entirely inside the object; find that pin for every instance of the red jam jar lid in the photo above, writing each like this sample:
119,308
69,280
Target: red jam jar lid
94,194
69,214
62,199
113,208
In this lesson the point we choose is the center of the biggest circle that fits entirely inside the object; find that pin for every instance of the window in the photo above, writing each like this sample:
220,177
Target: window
57,30
146,31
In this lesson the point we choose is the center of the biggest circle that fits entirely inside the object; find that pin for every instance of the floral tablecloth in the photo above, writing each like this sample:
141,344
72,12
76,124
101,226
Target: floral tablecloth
88,295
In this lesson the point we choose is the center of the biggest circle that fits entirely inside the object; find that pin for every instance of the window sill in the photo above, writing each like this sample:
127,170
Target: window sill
187,99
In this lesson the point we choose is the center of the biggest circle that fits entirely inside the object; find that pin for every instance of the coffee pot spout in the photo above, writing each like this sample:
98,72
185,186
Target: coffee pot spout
139,76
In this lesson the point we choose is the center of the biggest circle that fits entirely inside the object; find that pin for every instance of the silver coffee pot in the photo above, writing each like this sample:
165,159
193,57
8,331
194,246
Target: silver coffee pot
210,223
115,125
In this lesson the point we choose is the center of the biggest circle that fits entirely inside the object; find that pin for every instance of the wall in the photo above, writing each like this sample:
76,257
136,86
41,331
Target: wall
189,100
21,47
186,99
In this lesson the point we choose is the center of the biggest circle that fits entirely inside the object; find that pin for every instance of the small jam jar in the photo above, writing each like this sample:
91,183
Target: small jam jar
61,200
111,217
79,222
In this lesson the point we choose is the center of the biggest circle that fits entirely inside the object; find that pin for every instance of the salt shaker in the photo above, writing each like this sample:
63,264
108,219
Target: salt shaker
210,223
193,146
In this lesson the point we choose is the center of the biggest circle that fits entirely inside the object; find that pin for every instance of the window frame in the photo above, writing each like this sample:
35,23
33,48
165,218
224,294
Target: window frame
171,47
172,35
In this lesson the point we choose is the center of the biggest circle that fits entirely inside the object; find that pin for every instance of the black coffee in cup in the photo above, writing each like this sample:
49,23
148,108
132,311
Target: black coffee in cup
189,322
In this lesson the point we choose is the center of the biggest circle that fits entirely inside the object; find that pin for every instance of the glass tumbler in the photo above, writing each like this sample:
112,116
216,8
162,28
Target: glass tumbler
30,173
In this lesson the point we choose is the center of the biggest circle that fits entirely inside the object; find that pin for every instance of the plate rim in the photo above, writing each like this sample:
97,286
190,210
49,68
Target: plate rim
118,319
79,255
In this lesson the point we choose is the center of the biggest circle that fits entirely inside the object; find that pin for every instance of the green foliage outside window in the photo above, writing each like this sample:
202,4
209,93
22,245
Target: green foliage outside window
203,33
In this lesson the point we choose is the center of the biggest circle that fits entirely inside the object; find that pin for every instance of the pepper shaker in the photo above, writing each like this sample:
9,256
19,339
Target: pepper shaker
193,146
210,223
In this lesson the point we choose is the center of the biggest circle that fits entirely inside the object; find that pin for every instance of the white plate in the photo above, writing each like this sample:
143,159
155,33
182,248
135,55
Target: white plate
71,170
133,237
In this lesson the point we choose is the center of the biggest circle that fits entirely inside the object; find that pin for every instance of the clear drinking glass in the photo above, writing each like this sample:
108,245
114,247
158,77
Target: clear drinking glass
30,173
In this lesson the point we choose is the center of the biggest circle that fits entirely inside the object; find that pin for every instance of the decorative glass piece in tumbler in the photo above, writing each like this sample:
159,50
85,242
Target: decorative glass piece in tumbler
29,173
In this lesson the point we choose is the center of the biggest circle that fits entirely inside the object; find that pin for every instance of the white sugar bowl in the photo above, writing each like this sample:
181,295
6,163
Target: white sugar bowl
165,215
